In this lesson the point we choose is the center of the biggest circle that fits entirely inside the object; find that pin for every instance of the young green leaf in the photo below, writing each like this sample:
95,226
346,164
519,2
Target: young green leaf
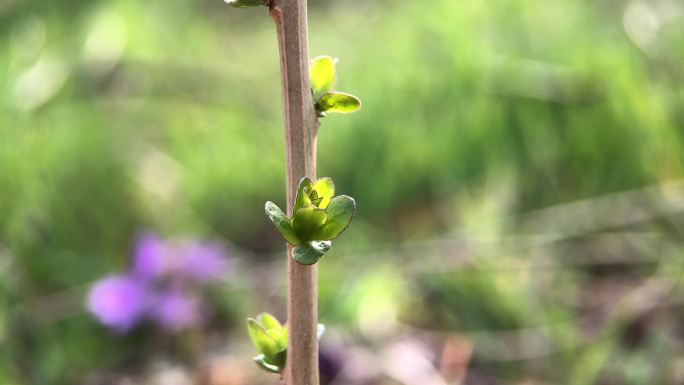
307,220
338,216
325,190
276,335
310,252
303,190
338,102
260,338
263,364
279,336
268,322
282,223
322,75
280,358
245,3
282,339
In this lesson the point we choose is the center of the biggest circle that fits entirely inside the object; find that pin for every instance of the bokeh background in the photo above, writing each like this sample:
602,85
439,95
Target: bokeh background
517,166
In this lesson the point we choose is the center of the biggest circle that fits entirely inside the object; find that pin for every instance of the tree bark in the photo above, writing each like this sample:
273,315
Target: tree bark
301,126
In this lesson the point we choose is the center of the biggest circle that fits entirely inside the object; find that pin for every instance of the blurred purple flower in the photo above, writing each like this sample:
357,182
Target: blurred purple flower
160,286
151,258
176,310
203,261
200,261
118,301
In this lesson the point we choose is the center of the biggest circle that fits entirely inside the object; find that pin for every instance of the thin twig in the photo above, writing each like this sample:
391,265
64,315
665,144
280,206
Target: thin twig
300,149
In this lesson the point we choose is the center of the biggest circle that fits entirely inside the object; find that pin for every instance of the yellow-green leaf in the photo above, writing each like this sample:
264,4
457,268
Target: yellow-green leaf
268,321
322,75
282,223
260,338
325,189
303,190
280,337
338,216
338,102
245,3
307,220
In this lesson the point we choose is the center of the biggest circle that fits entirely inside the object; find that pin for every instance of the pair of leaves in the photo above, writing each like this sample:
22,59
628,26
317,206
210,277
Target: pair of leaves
270,338
323,77
318,217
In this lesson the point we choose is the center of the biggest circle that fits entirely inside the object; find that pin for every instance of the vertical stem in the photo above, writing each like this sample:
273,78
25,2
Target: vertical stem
300,149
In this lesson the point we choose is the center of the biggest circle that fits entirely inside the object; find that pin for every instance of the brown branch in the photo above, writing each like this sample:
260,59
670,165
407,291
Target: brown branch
300,149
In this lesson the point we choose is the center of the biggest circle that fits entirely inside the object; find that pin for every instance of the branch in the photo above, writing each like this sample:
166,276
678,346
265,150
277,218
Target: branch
300,149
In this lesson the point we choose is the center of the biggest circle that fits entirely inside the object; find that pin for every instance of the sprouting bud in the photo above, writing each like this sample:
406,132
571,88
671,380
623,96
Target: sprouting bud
269,336
319,216
323,77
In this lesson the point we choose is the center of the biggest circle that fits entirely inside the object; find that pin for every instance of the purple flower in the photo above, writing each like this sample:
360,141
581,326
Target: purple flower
176,310
202,261
118,301
199,261
160,285
151,258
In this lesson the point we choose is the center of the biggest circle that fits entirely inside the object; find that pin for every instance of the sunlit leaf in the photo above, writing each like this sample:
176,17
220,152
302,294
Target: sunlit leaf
283,337
303,190
338,102
279,336
307,220
268,321
310,252
325,189
322,75
338,216
245,3
260,338
282,223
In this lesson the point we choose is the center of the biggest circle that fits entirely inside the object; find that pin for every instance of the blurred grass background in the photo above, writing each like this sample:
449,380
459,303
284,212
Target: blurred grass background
517,166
